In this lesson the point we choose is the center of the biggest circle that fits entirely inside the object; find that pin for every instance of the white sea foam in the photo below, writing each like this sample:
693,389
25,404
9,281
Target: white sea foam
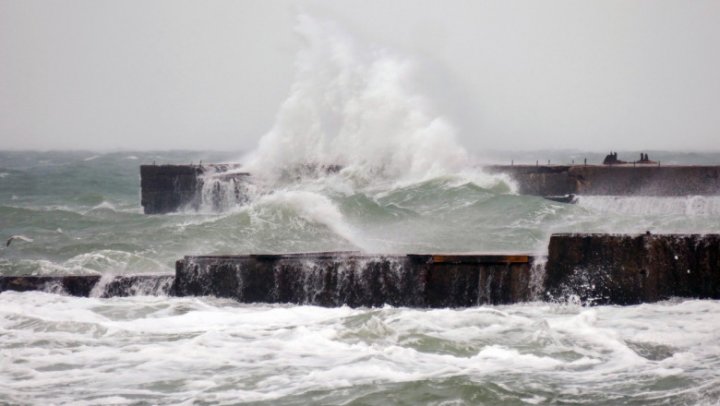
112,261
92,262
188,350
104,205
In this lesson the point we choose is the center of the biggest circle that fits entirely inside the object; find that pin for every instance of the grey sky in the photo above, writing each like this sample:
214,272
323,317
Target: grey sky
95,74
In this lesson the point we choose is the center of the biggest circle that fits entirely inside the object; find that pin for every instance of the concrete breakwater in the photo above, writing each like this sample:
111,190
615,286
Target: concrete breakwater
627,269
590,268
620,180
353,279
169,188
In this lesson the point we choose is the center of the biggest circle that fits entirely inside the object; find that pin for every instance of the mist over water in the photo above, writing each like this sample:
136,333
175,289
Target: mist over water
360,108
406,186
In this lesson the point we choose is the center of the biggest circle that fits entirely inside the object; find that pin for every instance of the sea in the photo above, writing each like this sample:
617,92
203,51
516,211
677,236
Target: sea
82,212
410,182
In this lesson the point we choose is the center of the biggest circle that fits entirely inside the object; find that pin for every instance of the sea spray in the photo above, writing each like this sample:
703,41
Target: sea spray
354,123
315,208
359,107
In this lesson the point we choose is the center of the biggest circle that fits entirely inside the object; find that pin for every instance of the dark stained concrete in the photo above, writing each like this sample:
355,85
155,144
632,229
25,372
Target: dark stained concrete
589,268
627,269
620,180
335,279
169,188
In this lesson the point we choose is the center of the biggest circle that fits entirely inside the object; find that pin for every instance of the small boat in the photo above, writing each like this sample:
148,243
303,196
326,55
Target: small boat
569,199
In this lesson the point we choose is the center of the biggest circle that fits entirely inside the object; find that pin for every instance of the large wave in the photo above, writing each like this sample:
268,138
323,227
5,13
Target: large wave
354,123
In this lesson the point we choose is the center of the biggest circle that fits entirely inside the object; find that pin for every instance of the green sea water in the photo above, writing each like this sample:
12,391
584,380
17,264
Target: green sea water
82,211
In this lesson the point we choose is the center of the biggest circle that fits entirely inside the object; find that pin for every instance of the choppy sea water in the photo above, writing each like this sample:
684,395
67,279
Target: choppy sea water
82,211
156,350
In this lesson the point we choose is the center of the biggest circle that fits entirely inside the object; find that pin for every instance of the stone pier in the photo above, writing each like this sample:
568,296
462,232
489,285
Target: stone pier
353,279
617,180
589,268
169,188
627,269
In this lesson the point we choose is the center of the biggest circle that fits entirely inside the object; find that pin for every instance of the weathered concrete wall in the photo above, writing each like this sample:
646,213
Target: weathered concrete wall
335,279
591,268
169,188
539,180
91,285
624,269
640,180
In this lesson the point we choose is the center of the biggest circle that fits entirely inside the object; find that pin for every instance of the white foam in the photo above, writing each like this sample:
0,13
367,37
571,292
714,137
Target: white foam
93,262
112,261
358,107
104,205
171,350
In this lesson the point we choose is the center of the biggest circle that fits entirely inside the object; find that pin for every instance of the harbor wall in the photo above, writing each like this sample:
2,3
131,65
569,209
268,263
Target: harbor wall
627,269
336,279
90,285
167,188
171,188
586,268
620,180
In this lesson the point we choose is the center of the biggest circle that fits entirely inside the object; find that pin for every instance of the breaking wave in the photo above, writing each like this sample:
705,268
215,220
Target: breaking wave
354,136
185,350
358,107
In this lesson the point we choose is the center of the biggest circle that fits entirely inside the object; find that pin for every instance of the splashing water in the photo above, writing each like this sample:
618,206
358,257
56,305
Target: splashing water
354,130
163,350
406,186
360,108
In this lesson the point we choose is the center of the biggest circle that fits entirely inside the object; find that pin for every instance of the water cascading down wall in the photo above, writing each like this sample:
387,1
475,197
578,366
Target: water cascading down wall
590,268
168,188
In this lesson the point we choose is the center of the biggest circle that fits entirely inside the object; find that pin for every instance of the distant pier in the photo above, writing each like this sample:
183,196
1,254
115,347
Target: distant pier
354,279
588,268
618,180
169,188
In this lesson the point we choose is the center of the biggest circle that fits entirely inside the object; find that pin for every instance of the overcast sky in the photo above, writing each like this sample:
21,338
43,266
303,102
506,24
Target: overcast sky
590,75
